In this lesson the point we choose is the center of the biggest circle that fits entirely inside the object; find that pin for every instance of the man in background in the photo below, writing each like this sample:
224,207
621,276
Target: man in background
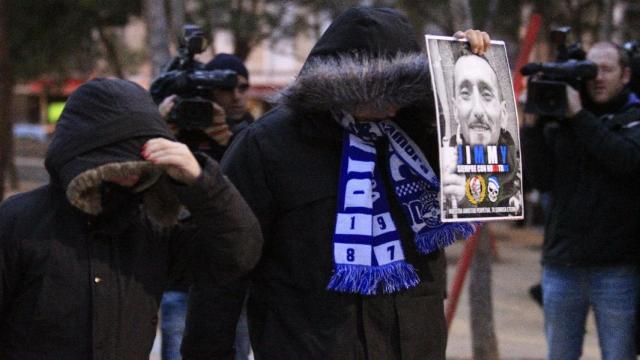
230,117
231,113
590,162
233,101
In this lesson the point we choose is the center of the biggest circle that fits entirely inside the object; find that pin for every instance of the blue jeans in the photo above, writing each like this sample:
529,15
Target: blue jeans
173,312
568,294
242,343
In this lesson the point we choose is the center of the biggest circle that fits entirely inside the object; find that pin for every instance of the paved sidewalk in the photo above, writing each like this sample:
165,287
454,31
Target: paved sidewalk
518,319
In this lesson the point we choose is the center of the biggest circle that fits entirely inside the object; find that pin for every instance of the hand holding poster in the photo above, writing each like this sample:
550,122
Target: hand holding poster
480,170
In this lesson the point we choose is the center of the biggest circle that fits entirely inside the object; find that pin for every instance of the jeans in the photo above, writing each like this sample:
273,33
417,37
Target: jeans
568,294
173,312
242,344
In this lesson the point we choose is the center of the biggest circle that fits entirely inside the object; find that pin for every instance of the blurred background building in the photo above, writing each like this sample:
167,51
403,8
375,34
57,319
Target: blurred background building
116,38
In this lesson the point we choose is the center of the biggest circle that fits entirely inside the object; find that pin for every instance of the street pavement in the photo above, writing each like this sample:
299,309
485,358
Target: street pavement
518,319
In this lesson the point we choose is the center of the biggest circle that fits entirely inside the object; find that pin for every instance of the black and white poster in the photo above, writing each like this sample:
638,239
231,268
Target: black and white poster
480,166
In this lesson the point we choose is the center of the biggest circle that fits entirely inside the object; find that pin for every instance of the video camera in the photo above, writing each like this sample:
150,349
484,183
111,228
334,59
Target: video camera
193,84
546,87
633,50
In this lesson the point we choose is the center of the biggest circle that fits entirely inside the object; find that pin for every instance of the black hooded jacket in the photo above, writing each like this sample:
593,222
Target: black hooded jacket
287,164
83,263
590,164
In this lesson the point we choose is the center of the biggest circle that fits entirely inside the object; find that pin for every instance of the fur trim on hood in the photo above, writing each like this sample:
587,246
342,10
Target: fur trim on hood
160,203
348,82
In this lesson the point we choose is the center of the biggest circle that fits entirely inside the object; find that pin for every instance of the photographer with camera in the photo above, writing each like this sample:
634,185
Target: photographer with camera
589,160
205,106
230,112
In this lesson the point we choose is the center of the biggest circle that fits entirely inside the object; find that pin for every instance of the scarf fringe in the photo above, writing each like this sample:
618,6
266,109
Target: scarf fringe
367,280
441,237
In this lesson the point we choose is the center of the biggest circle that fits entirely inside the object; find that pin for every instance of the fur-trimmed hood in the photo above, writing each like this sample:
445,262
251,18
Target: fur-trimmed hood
160,203
99,137
367,57
349,82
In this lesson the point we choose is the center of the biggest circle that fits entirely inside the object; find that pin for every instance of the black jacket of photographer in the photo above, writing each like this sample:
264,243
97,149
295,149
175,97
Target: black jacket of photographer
215,150
200,142
79,286
591,166
287,165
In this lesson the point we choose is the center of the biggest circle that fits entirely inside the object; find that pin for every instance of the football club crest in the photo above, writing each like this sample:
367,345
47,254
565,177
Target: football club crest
476,189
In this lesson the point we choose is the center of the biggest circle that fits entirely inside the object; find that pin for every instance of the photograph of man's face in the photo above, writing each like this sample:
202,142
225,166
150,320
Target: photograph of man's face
478,106
480,172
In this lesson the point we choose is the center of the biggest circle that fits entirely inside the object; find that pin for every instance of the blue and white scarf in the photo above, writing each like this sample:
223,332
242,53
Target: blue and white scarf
368,253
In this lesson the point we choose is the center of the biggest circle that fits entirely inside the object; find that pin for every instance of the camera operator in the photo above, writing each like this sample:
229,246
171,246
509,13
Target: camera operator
229,117
234,100
590,161
84,259
230,114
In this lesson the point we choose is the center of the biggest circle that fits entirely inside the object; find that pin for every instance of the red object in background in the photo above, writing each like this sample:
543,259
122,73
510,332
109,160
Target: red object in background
525,50
64,87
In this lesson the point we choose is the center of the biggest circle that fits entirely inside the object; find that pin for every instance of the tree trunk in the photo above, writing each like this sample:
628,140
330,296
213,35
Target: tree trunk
12,169
492,12
6,91
484,341
157,35
483,335
241,48
177,19
606,20
111,51
460,14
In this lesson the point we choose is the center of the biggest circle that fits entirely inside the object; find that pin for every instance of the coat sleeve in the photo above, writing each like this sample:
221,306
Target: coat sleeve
222,236
215,310
616,149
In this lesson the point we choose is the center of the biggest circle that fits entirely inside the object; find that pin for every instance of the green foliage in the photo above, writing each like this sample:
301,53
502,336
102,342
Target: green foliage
57,37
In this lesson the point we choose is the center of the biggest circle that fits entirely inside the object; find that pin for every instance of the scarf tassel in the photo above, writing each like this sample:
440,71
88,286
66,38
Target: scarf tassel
368,280
441,237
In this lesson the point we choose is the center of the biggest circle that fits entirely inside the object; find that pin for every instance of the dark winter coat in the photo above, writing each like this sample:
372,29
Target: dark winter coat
287,164
591,166
86,284
200,141
182,281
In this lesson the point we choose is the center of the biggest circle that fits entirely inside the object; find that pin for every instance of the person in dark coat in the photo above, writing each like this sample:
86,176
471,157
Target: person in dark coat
589,162
230,116
85,258
319,293
230,109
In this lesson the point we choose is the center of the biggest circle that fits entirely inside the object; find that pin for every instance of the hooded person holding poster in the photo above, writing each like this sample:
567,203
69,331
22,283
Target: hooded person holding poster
353,265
